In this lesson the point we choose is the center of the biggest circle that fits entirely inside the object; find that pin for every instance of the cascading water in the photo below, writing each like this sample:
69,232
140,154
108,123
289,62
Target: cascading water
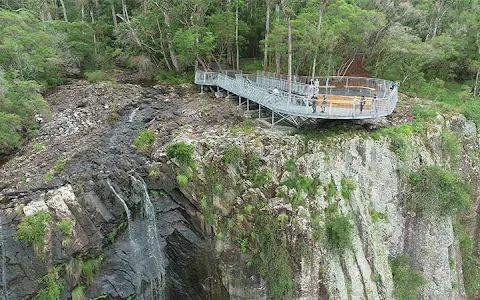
4,268
130,231
153,242
132,114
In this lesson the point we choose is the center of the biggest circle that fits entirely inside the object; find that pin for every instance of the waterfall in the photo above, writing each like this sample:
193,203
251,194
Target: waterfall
130,231
4,268
132,115
155,251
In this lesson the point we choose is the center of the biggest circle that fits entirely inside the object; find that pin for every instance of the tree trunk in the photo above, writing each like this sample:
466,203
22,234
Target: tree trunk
236,37
171,49
321,8
476,91
167,63
289,23
114,14
267,32
64,10
278,68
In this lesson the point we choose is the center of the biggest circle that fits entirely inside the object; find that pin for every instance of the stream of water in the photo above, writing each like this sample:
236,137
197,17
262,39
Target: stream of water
153,242
4,268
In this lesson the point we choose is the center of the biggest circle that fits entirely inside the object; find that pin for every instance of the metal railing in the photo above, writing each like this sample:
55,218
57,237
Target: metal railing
342,93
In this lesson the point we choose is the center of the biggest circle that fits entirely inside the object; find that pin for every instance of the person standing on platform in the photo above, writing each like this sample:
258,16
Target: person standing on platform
374,102
314,103
324,103
362,103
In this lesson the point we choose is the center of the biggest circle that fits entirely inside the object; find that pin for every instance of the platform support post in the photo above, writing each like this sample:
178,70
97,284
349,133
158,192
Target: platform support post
273,118
259,108
201,89
218,88
248,105
239,100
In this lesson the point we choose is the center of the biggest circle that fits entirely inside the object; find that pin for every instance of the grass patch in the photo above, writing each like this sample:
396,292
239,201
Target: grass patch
144,139
97,76
172,77
378,216
78,293
451,147
470,260
338,229
38,147
438,191
246,126
59,165
347,187
53,285
66,227
79,270
407,281
32,230
233,155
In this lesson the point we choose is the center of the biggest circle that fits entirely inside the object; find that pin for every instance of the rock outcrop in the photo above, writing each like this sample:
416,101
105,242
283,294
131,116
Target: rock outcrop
253,193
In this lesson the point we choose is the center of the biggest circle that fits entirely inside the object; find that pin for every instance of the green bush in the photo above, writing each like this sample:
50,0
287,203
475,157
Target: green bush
261,177
339,232
59,165
406,280
172,77
65,226
78,293
182,180
54,285
233,155
331,190
144,139
451,147
97,76
182,152
470,259
438,191
32,230
348,186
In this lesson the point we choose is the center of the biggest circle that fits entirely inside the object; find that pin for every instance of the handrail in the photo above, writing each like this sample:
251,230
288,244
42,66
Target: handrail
273,94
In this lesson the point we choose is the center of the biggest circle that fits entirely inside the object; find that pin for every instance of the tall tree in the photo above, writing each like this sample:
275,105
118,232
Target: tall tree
267,32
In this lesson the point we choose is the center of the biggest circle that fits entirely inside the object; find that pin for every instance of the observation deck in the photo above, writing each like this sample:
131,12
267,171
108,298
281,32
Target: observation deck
271,92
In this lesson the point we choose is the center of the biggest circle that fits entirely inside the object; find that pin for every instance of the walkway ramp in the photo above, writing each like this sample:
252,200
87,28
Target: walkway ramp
342,93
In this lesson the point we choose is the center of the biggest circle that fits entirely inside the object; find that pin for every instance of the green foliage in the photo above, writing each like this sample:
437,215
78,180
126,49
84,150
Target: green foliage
261,177
97,76
59,165
78,293
48,176
154,172
79,270
438,191
348,186
53,285
182,180
400,137
100,297
171,77
451,147
331,190
182,152
271,259
218,188
144,139
470,259
290,166
407,281
38,147
233,155
32,230
66,227
339,231
246,126
378,216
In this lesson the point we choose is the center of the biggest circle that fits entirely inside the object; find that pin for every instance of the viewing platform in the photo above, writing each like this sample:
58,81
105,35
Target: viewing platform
271,92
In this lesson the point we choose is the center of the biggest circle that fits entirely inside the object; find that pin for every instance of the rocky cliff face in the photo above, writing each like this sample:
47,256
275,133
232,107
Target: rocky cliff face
257,216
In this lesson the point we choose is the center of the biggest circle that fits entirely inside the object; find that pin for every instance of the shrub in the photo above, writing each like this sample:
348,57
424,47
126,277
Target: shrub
78,293
182,180
182,152
261,178
451,147
66,227
339,231
54,286
439,191
233,155
38,147
470,260
348,186
331,190
97,76
154,172
32,230
378,216
406,280
59,165
144,139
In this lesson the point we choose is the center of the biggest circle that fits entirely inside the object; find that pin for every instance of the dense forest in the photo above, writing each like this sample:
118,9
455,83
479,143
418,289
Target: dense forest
431,46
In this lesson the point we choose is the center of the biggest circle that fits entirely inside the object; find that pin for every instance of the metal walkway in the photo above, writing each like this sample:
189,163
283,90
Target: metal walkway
271,92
